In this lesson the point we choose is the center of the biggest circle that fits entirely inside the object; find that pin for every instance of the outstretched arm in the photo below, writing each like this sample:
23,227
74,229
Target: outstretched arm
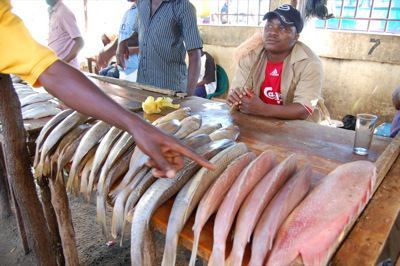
79,93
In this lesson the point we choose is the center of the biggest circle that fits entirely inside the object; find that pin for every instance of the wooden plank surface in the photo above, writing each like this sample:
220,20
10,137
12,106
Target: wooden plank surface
324,148
133,85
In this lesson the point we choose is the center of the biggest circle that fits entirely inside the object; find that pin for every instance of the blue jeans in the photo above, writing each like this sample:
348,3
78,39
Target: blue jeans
200,91
110,71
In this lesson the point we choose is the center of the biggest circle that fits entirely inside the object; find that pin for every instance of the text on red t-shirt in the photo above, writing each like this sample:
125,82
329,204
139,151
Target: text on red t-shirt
270,90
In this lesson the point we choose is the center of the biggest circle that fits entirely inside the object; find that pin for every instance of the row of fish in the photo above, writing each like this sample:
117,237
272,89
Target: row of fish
270,205
268,201
105,159
35,105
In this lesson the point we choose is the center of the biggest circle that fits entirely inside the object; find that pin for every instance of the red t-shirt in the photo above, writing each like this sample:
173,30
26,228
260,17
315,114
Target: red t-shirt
270,90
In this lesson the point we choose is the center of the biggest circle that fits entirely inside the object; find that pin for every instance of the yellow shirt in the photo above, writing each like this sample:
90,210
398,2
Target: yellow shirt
20,54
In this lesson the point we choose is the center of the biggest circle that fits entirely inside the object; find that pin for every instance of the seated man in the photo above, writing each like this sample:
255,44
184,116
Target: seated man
207,80
281,77
396,120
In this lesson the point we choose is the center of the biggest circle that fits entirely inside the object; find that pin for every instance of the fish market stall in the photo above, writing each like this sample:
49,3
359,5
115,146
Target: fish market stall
372,239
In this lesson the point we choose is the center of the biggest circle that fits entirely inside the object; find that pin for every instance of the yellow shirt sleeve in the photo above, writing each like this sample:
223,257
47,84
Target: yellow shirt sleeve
20,54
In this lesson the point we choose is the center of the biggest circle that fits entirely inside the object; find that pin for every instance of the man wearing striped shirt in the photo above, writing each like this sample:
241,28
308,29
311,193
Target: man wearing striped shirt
166,29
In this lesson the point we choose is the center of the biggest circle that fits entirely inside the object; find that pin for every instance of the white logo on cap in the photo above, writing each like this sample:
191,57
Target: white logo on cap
284,7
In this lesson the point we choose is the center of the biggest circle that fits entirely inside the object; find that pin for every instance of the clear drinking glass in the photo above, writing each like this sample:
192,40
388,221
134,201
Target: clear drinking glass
364,131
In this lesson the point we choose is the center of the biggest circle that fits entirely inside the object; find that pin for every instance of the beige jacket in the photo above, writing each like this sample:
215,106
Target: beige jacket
301,80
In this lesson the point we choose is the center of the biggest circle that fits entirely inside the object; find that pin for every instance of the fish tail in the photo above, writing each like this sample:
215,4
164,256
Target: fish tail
116,220
89,187
38,170
195,247
122,233
217,256
76,184
169,256
37,157
255,260
70,180
101,215
235,258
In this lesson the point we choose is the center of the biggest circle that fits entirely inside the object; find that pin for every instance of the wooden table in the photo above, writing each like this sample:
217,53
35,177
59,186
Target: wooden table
374,237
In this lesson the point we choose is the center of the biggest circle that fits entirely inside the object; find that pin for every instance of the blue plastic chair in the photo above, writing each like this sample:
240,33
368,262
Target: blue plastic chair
222,83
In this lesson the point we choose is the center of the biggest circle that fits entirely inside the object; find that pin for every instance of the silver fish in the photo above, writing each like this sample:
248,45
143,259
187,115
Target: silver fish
85,175
46,131
178,114
142,246
66,154
205,129
40,112
38,105
102,152
230,132
139,184
116,152
35,98
139,158
89,140
127,199
189,125
59,131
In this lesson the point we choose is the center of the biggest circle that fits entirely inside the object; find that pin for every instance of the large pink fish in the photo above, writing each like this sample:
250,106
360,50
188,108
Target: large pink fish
254,205
215,195
248,178
313,231
277,211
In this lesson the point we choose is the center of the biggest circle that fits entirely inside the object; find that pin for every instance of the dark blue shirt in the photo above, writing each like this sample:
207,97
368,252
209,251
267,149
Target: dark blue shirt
164,39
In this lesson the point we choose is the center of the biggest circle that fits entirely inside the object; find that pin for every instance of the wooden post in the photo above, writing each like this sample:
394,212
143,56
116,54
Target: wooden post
11,200
20,225
5,207
59,200
21,178
51,218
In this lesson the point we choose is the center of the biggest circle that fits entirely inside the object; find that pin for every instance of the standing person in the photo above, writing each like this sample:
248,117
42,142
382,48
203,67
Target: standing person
207,80
64,36
125,31
281,77
224,13
165,31
395,129
38,65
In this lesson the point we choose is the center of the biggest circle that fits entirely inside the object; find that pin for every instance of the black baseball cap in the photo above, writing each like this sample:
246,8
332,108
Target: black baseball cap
288,15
